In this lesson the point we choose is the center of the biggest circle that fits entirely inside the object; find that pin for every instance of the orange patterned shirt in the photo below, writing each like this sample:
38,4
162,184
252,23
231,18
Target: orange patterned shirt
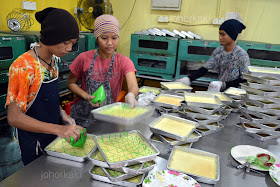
25,78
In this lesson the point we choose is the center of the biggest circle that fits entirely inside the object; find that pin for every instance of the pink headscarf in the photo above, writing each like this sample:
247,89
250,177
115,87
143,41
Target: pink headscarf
106,23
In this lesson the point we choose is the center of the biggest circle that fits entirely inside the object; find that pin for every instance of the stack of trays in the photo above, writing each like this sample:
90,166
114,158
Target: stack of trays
175,87
236,95
167,102
145,89
204,108
260,114
169,131
122,158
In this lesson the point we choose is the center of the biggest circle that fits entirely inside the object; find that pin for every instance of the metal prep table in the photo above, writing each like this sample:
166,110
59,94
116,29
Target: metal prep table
51,171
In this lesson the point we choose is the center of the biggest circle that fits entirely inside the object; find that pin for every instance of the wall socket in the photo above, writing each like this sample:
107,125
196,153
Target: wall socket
28,5
217,21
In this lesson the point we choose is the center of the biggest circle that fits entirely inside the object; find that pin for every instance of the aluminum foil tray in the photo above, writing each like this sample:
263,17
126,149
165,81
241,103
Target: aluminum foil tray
195,136
168,100
264,86
193,109
98,160
197,152
265,102
145,89
223,97
62,149
163,147
257,97
264,71
269,79
197,116
169,134
121,113
202,119
176,86
202,100
97,173
166,110
256,127
203,130
255,116
235,93
124,149
259,109
266,93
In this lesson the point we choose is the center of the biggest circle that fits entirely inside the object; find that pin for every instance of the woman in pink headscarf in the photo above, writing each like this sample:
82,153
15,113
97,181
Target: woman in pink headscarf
101,67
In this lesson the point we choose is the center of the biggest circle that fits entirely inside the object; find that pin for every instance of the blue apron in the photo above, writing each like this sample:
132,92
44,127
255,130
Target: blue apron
45,108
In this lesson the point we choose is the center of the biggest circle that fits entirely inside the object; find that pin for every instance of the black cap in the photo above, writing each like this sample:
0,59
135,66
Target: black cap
57,25
232,27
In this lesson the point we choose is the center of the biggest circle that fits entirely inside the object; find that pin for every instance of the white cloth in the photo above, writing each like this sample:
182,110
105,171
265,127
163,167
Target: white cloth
185,80
215,86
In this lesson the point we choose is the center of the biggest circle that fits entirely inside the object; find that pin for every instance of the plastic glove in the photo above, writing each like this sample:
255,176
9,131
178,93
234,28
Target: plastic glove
130,99
67,120
185,80
215,86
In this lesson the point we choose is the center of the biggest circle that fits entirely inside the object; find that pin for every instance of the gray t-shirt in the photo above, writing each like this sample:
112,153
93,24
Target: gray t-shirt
228,65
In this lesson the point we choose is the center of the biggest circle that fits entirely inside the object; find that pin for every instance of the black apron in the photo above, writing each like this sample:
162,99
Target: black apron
81,111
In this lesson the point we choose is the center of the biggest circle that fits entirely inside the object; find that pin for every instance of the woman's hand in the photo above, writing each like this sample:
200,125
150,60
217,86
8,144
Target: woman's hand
66,119
130,99
89,98
65,131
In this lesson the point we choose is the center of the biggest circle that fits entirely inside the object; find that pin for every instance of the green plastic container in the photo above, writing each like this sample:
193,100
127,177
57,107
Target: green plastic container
81,141
99,94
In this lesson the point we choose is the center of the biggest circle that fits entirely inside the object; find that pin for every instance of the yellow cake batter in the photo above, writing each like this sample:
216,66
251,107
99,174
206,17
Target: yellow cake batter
180,128
176,85
201,100
194,164
169,100
235,91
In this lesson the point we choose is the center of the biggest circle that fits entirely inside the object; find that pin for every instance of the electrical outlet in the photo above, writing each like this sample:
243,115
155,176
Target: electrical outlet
217,21
28,5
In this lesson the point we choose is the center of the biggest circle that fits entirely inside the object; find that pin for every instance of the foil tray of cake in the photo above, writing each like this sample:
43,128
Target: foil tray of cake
261,98
258,127
201,119
163,147
175,86
126,148
62,149
173,127
265,102
194,137
166,110
275,111
197,162
97,159
264,71
168,100
98,173
263,86
262,92
202,100
235,93
256,116
223,97
261,79
121,113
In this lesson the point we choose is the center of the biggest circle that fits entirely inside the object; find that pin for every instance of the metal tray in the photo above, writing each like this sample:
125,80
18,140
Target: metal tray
257,97
261,126
269,79
264,86
68,156
264,71
206,111
172,142
261,103
197,116
259,109
156,103
98,160
209,131
120,120
268,93
166,110
254,115
166,85
104,178
198,152
223,97
216,101
235,93
115,137
201,119
168,134
145,89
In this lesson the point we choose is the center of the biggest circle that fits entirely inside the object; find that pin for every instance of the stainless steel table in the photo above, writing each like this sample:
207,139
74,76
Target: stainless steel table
51,171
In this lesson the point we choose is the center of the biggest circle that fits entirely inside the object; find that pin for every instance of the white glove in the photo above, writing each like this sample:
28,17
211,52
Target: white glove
185,80
215,86
67,120
130,99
